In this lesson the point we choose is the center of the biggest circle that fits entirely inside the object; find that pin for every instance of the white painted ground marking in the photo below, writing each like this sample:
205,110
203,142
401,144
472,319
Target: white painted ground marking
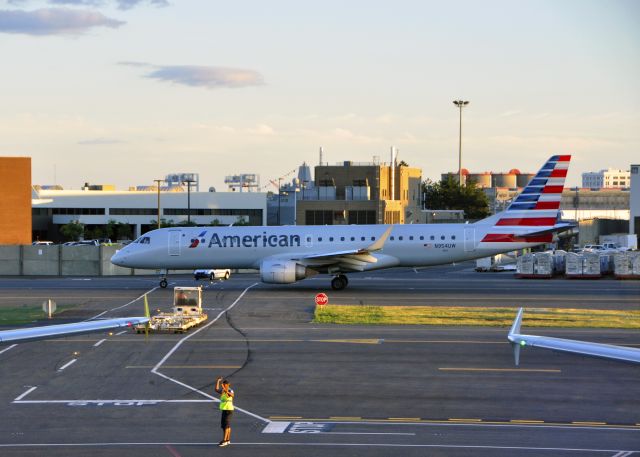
69,363
117,402
31,389
122,306
122,332
276,427
363,433
306,444
488,425
155,369
99,342
6,349
623,454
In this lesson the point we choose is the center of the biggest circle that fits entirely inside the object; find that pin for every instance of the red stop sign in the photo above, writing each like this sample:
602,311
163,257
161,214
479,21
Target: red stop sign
322,299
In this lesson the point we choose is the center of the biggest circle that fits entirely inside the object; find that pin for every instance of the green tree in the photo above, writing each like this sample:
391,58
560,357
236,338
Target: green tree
447,194
72,231
163,223
92,232
118,230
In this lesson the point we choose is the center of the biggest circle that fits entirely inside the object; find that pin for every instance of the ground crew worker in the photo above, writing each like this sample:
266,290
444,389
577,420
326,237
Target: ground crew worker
226,408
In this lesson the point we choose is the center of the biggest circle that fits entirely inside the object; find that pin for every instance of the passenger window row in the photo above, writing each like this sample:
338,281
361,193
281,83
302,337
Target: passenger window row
373,238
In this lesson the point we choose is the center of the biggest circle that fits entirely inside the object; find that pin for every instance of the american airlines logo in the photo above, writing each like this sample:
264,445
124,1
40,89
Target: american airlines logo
253,241
196,241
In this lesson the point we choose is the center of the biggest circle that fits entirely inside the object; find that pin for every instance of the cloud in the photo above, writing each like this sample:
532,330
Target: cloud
201,76
128,4
345,134
77,2
100,141
121,4
262,129
510,113
53,21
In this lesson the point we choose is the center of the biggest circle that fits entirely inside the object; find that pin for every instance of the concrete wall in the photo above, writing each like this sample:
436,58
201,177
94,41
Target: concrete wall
10,264
41,260
590,230
58,260
80,260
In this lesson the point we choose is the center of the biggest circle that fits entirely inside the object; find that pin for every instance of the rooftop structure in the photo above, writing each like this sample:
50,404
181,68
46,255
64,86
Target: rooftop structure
243,182
606,179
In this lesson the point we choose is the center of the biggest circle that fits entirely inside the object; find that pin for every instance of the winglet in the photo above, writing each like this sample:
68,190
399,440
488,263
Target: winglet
517,322
514,335
379,244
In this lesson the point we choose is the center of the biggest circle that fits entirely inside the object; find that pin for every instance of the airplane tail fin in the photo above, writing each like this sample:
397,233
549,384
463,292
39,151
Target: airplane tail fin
534,214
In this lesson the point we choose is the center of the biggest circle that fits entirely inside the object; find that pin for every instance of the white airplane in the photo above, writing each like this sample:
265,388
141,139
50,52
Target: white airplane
286,254
606,351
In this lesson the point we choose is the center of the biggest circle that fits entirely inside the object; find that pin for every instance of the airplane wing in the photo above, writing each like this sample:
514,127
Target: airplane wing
62,330
348,259
607,351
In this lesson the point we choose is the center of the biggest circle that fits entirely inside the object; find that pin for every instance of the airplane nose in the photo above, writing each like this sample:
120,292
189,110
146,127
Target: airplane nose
119,258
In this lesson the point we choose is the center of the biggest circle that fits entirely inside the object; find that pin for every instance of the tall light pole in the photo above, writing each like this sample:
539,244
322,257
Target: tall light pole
460,104
158,181
189,181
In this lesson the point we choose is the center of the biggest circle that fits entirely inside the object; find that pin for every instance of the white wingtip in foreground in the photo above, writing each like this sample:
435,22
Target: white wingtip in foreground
62,330
607,351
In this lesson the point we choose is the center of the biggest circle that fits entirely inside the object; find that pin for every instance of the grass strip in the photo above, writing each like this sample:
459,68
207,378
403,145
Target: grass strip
27,314
475,316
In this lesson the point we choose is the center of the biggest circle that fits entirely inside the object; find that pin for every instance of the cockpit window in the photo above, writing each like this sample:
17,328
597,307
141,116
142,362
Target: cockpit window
145,240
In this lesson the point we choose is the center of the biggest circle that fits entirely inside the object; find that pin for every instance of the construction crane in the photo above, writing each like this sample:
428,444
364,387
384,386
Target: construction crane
276,182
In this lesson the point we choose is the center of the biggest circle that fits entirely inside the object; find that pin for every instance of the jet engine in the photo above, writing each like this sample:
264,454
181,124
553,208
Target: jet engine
284,271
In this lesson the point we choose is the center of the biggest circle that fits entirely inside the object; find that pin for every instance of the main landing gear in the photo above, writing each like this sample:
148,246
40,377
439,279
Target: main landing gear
339,282
163,279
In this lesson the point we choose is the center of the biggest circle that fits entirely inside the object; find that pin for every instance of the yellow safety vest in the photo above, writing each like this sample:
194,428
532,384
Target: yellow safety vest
226,402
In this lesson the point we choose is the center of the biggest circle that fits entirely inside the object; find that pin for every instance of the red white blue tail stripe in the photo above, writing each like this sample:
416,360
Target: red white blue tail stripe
536,209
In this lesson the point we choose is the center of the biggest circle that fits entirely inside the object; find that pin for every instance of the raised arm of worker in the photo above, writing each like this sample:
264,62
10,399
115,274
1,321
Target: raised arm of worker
221,388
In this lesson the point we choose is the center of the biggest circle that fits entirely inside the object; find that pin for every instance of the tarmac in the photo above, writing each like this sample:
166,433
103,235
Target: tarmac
309,389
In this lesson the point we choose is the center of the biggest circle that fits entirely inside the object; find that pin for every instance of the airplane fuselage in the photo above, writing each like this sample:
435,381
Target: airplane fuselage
245,247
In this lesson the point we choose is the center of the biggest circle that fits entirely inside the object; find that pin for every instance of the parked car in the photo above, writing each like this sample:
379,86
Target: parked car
82,243
42,243
593,248
212,274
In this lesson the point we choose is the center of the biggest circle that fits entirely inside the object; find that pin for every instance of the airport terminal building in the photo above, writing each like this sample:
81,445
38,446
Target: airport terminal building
139,209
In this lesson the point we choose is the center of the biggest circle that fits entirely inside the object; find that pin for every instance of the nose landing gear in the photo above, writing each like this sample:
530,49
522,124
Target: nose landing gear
163,279
339,282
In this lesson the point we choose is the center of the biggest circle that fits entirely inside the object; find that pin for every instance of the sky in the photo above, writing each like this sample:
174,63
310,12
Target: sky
127,91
